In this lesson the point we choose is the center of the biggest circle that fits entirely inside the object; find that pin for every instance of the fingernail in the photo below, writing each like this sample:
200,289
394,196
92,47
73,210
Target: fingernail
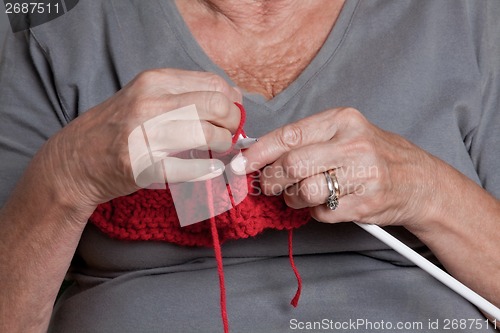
217,166
239,164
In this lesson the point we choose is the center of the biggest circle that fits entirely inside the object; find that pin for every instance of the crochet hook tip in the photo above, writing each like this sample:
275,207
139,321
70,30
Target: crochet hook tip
244,143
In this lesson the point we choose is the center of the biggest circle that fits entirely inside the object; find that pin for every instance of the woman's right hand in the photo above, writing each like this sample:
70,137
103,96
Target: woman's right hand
90,157
88,163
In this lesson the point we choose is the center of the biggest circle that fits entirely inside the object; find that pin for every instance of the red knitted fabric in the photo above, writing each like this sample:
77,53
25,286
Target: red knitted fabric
151,215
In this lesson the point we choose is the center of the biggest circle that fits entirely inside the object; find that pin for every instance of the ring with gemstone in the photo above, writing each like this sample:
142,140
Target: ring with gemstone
332,201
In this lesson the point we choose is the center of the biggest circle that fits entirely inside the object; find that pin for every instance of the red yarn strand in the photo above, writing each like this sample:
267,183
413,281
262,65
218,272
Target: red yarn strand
213,228
295,300
220,271
243,118
218,255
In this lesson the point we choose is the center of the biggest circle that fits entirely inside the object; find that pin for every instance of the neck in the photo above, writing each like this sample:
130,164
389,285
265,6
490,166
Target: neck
258,16
255,15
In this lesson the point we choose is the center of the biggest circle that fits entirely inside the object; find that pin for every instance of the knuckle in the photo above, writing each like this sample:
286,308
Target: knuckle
218,105
294,165
307,191
216,83
361,146
365,146
352,114
145,78
353,118
291,136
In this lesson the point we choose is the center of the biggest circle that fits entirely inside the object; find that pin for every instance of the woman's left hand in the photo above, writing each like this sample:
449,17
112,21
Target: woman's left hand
384,179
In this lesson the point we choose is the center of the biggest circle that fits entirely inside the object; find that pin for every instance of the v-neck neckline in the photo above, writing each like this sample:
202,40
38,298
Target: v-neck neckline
325,54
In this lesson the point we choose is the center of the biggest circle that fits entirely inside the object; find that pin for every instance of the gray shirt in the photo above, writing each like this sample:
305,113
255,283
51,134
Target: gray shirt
428,70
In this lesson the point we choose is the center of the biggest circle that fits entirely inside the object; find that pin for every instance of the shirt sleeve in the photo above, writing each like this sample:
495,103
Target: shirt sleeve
485,143
30,110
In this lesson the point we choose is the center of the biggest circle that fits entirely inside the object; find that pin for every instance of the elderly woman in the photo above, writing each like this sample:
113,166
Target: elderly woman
398,100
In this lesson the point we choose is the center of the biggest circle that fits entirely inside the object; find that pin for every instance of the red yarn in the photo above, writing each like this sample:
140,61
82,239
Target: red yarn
295,300
218,258
220,271
150,215
243,118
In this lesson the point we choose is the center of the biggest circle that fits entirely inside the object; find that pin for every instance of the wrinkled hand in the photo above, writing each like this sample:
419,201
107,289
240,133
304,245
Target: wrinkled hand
383,178
90,157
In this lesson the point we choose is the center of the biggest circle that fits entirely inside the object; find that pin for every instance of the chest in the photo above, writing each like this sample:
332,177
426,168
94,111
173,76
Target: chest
265,62
266,69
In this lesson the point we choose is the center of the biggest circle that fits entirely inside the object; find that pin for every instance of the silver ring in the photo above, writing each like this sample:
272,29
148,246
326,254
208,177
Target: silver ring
332,201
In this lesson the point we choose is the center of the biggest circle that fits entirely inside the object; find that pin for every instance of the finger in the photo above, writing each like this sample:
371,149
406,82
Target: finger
173,136
320,127
175,81
175,170
314,191
351,208
211,106
301,163
202,105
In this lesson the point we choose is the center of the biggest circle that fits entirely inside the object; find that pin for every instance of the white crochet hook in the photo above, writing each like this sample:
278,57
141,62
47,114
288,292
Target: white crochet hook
455,285
244,142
